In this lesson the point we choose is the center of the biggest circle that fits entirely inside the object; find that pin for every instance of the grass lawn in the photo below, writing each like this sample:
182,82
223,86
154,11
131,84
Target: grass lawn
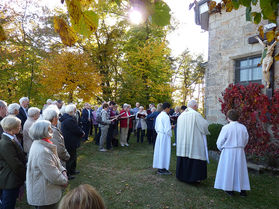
125,179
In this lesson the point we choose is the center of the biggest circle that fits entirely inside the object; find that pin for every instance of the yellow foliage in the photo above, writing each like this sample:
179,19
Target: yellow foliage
66,33
71,74
74,9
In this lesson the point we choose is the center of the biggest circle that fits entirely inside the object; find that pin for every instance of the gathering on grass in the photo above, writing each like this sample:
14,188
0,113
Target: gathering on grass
41,164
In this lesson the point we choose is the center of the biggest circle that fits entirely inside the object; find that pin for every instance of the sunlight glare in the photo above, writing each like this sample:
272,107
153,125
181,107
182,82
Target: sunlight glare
135,17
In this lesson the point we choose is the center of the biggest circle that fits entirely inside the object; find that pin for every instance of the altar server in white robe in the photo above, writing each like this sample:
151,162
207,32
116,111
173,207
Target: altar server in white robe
191,165
162,150
232,172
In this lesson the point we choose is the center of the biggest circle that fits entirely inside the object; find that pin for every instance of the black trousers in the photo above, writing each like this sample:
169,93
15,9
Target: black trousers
86,129
97,137
154,136
149,135
71,164
140,134
110,136
129,133
95,129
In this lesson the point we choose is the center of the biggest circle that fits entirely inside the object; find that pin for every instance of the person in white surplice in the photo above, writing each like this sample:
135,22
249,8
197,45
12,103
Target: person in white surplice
232,172
191,165
162,150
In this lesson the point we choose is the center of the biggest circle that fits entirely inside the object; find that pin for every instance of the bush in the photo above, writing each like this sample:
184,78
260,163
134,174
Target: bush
214,130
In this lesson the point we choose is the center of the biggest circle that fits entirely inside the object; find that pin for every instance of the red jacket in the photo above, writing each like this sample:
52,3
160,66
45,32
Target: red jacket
123,122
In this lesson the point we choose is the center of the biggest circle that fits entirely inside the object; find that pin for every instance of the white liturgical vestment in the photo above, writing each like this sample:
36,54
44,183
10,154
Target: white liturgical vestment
162,150
191,128
232,172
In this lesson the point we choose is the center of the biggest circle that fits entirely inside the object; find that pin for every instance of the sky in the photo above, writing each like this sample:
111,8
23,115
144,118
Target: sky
186,34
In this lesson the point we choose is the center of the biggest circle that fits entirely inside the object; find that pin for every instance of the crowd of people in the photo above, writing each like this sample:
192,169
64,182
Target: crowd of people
38,148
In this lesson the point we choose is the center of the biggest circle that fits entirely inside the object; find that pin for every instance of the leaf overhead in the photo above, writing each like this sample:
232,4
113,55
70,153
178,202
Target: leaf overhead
161,14
74,9
67,35
3,36
270,35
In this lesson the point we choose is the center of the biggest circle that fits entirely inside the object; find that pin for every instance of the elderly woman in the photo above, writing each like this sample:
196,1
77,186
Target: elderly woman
141,125
51,114
45,176
33,115
72,134
13,109
125,124
12,162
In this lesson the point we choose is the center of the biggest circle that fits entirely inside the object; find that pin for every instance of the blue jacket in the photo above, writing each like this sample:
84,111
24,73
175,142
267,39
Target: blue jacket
152,117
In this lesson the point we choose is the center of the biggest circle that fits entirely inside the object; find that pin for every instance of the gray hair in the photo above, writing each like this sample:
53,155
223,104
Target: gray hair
192,103
40,130
70,109
3,103
13,107
22,99
50,113
125,106
49,101
160,107
10,123
32,111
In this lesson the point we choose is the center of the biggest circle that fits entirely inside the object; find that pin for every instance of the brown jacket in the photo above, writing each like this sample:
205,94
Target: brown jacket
12,164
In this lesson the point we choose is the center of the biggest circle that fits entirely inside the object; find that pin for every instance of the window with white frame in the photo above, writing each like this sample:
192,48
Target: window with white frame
247,70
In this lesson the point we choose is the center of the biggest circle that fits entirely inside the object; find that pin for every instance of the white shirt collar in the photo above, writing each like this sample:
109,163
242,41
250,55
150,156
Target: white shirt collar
9,135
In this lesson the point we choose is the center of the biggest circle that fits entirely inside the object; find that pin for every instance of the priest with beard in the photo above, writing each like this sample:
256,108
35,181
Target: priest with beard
191,149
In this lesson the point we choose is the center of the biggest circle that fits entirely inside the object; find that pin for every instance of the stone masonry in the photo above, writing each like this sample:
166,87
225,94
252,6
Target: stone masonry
228,41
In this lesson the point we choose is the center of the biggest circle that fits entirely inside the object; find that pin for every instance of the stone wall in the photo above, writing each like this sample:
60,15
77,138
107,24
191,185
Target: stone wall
228,41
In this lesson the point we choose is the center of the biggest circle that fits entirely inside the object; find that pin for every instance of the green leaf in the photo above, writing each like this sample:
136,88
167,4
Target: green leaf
257,18
88,23
235,4
161,14
248,13
246,3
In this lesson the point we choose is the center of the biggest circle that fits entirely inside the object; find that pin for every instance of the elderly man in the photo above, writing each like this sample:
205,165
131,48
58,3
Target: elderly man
86,120
72,134
33,115
3,113
191,150
24,103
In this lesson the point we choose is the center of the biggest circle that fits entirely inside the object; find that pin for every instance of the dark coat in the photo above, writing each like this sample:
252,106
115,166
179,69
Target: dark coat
84,116
12,164
22,116
1,129
71,131
152,117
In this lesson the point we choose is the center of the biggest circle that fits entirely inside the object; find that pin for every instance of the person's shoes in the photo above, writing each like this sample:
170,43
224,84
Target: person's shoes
243,193
103,150
163,172
174,144
160,171
71,177
230,193
127,145
122,145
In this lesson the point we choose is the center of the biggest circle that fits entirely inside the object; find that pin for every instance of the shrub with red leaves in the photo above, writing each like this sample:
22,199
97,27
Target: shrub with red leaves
257,112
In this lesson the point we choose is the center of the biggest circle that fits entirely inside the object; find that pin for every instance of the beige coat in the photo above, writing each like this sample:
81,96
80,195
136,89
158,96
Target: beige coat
141,120
44,178
58,140
27,140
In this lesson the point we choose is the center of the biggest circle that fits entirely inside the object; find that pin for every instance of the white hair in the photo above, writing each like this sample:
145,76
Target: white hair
50,113
3,103
23,99
192,103
10,123
13,107
125,105
70,109
32,111
40,130
62,110
49,101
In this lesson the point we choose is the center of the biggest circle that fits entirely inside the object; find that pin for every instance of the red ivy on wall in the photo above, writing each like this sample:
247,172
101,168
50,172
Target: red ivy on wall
257,113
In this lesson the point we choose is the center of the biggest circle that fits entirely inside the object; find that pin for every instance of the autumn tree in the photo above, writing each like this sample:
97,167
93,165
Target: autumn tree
146,68
70,76
189,76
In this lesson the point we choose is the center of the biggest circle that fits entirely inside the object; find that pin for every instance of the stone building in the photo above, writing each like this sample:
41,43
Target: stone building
233,55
